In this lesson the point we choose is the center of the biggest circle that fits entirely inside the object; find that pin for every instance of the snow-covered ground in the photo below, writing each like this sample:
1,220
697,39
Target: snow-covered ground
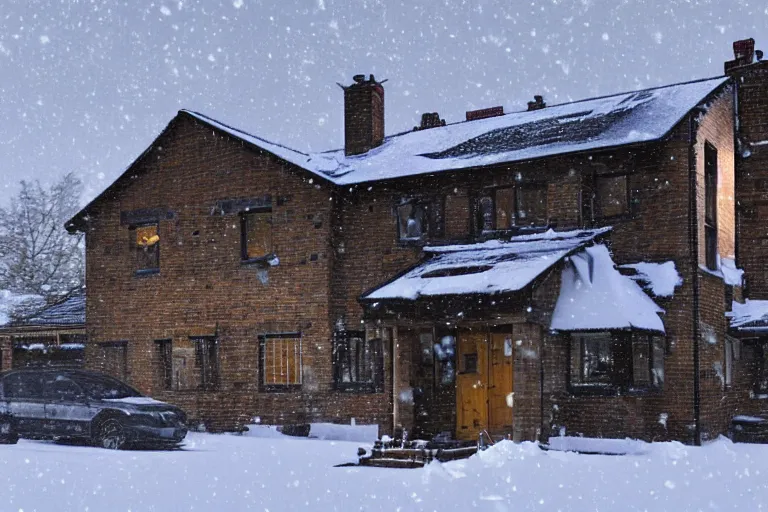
275,473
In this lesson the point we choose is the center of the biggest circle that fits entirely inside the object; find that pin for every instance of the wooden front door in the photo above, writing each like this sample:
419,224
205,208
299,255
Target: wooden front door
483,384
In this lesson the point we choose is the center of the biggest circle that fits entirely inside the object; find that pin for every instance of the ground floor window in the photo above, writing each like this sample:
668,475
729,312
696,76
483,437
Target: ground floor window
164,349
358,362
761,377
280,361
206,362
611,361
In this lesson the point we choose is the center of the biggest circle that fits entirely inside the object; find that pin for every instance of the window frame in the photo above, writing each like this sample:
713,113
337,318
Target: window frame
621,374
136,248
276,388
596,211
490,194
244,259
340,347
164,348
209,380
711,178
761,368
434,217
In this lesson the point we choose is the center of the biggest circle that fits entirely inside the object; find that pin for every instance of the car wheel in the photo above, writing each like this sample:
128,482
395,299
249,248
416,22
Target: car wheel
8,433
110,434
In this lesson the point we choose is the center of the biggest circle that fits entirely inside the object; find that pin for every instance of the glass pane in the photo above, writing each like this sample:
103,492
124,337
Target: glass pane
505,208
258,234
532,206
641,364
412,221
597,359
611,196
658,361
486,213
147,247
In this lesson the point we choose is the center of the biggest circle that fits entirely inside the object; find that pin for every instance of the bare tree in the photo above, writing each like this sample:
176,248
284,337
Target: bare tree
37,255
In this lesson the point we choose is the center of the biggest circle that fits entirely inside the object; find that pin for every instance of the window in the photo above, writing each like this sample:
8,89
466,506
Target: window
761,378
59,387
23,385
445,354
147,248
611,196
256,234
728,348
710,205
164,349
358,363
418,219
613,361
207,361
509,207
280,361
426,344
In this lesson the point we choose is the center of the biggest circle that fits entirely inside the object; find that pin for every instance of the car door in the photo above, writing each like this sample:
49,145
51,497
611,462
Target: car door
67,411
24,396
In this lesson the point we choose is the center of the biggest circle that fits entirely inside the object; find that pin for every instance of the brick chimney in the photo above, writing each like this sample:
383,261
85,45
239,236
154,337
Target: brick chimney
537,103
743,53
429,120
363,115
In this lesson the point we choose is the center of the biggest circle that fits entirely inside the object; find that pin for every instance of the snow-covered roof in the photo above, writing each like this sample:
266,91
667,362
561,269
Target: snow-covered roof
661,279
67,312
10,301
595,296
617,120
750,316
495,266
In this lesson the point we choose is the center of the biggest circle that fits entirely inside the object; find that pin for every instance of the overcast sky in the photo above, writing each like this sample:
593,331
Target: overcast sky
86,85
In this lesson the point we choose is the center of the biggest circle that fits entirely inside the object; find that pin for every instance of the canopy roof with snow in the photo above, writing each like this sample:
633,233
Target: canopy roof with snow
610,121
68,312
495,266
750,317
594,296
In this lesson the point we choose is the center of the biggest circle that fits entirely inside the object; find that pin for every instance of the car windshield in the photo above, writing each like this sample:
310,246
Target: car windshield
105,388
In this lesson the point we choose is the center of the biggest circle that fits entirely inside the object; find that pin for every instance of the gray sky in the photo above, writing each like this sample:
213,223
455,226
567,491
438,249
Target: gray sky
86,85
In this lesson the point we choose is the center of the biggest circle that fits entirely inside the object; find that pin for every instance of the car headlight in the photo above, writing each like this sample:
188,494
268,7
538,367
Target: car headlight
164,417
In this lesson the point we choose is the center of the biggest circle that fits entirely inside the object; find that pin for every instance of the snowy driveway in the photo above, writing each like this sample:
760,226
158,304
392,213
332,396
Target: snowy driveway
231,473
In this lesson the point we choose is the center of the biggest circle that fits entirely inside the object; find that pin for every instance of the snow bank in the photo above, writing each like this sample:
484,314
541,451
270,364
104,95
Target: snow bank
594,445
595,296
224,472
323,431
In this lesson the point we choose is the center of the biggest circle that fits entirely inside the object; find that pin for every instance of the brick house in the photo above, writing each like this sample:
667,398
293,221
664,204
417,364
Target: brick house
567,269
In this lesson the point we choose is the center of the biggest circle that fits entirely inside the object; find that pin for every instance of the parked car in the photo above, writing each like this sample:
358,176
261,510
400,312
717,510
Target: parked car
79,404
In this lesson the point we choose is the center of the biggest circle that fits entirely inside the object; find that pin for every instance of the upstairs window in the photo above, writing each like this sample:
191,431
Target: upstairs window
510,207
256,234
611,196
358,362
710,205
420,219
146,240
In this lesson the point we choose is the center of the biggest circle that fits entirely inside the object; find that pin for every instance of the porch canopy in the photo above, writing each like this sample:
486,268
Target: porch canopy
454,280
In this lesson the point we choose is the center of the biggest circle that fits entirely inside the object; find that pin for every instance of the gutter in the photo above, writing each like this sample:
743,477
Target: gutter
693,245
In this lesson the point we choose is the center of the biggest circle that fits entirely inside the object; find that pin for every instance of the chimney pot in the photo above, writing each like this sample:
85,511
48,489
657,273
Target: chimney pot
743,53
483,113
430,120
537,103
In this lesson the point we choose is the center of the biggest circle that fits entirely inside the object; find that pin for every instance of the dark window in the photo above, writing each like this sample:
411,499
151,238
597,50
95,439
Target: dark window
419,219
280,361
256,234
761,378
23,385
146,243
426,344
617,360
469,363
61,387
445,355
611,196
207,361
164,350
710,205
509,207
358,363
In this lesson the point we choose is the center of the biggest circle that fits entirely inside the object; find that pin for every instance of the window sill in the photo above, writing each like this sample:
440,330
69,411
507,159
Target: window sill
270,260
144,272
355,387
279,388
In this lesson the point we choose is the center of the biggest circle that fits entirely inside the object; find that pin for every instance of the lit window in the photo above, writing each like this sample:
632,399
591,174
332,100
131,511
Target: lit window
256,234
280,362
147,245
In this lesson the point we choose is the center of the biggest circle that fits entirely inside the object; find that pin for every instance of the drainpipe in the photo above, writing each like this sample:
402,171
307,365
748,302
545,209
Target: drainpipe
693,242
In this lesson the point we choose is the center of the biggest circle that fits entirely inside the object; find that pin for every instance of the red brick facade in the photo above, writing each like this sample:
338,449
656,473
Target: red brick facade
335,243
